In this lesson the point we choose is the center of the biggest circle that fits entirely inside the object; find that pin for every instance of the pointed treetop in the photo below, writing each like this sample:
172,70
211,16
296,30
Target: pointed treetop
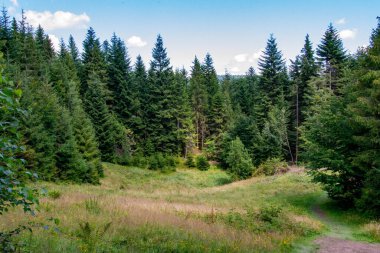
331,49
271,62
62,48
251,72
375,33
74,52
139,63
160,61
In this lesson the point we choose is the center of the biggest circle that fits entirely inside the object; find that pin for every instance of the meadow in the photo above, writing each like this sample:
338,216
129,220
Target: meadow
138,210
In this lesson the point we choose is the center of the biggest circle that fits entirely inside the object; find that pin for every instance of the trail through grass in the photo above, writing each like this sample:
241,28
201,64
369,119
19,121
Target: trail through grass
183,211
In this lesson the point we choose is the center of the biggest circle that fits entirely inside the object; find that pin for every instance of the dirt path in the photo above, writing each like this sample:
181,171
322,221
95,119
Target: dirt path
339,238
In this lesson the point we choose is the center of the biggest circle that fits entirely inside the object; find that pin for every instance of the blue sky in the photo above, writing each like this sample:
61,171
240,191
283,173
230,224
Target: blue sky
233,31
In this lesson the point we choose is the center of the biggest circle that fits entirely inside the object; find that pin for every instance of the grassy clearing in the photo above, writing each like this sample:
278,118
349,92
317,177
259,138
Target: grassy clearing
137,210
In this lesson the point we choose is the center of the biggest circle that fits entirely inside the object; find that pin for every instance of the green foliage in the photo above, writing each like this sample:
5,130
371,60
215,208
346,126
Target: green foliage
271,167
332,56
202,163
238,160
92,205
162,162
91,236
54,194
12,173
269,213
190,161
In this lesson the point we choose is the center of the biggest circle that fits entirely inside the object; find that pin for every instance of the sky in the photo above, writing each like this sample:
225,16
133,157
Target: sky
234,32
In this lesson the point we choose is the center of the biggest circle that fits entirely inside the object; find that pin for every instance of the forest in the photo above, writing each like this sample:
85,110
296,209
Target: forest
66,116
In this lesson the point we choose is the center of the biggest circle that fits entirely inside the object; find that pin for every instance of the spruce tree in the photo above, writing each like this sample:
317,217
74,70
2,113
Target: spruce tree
139,87
365,107
273,81
93,62
161,122
199,104
113,137
331,56
119,82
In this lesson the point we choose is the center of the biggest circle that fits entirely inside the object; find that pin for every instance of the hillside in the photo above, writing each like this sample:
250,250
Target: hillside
183,211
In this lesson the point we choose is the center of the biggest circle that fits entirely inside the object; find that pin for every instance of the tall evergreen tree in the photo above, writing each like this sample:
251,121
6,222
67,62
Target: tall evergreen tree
119,72
331,56
161,121
199,104
273,82
139,87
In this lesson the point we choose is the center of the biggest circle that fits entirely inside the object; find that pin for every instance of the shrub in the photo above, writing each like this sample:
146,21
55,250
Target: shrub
238,160
54,194
138,160
162,162
202,163
190,161
271,166
90,237
269,213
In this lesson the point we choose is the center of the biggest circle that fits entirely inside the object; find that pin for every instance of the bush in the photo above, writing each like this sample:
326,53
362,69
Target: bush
271,167
269,213
54,194
202,163
238,160
190,161
138,161
162,162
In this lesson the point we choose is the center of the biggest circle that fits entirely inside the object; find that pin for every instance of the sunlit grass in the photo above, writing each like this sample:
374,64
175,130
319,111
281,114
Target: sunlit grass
187,210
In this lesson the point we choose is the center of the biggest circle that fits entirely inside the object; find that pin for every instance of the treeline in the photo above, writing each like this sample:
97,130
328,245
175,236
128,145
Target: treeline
100,105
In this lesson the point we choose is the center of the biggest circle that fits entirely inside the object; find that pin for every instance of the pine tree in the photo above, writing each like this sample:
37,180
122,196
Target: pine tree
199,104
113,137
273,82
5,32
93,62
365,109
238,160
120,81
161,122
331,56
139,87
216,106
185,130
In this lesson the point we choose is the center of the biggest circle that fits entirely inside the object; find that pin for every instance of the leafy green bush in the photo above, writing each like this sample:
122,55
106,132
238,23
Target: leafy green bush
54,194
162,162
202,163
269,213
190,161
238,160
271,167
138,160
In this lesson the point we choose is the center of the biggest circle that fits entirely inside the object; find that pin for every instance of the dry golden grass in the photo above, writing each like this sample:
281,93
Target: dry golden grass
177,202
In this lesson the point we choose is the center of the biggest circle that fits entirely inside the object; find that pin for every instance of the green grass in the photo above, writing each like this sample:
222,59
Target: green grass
183,211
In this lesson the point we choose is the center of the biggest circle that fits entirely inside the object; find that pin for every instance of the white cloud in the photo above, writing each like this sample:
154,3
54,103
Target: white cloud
255,56
57,20
14,2
136,41
241,57
348,33
235,69
55,41
11,10
341,21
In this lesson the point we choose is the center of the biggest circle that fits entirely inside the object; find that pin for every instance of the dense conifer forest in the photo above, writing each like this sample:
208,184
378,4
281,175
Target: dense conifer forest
81,108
